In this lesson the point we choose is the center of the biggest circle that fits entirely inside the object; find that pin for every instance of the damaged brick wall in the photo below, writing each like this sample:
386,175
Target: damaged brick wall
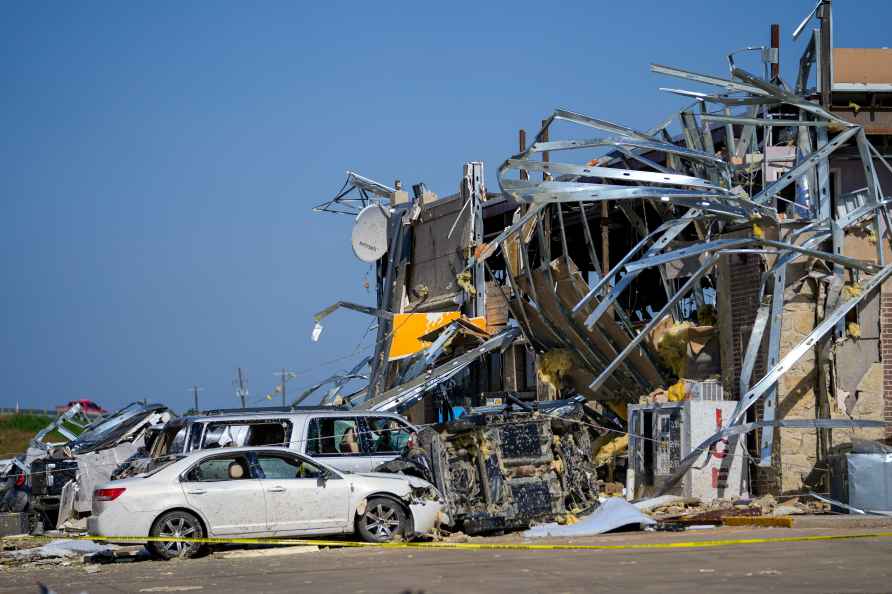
886,353
738,302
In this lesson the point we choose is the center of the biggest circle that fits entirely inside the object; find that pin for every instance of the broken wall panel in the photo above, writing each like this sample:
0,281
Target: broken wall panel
438,258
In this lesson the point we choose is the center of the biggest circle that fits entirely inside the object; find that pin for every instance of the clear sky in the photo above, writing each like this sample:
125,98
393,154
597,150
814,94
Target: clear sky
160,160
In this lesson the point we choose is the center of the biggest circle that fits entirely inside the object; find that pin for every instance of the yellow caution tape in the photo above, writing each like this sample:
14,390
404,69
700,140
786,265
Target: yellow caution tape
475,546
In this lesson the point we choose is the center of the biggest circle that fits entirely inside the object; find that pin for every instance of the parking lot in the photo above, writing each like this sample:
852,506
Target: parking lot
859,565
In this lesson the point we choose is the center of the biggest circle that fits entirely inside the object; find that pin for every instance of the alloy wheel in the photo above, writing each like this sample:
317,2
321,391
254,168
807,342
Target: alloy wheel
382,521
177,527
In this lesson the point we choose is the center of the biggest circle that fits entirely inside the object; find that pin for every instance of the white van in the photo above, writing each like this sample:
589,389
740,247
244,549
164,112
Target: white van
355,441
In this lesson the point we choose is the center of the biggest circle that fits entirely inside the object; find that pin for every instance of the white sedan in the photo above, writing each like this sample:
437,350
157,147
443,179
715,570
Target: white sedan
260,492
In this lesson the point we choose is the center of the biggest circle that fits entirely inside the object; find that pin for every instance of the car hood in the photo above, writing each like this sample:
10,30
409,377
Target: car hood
391,481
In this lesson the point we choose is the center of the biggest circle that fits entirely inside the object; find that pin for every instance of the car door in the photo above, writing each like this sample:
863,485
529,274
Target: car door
386,438
230,500
301,496
338,442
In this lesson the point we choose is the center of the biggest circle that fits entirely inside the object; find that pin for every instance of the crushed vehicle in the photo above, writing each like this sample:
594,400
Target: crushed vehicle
251,492
347,440
503,468
55,480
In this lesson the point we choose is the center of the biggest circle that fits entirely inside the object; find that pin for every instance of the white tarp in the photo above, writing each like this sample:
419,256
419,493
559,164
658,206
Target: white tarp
63,548
610,515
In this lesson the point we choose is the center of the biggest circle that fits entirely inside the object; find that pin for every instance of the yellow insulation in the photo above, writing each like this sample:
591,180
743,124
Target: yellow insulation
553,365
854,330
464,281
673,347
677,392
851,291
611,450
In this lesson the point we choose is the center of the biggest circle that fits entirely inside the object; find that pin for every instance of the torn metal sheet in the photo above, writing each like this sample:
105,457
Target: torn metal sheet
367,192
401,397
610,515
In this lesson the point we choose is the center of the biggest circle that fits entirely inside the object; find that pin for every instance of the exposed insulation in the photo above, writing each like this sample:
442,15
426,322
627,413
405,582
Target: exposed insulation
464,281
854,329
677,392
672,347
758,231
553,365
611,450
851,291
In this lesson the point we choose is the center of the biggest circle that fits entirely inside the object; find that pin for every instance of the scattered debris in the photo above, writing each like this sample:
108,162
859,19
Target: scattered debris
612,514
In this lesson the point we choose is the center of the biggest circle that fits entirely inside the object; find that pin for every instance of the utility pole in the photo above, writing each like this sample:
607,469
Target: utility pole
242,389
522,141
284,375
195,391
545,156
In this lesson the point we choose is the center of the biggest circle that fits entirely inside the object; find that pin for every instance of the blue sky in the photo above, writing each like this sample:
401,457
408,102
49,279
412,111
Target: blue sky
160,161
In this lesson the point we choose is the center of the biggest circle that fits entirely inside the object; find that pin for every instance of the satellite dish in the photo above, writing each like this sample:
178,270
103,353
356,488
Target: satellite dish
370,233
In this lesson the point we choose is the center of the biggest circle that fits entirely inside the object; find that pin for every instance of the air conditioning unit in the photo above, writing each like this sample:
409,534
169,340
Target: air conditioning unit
704,389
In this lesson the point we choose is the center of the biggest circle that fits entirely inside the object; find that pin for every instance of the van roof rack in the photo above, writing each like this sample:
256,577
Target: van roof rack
259,410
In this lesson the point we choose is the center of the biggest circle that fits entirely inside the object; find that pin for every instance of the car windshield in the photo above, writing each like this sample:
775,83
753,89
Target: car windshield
106,431
105,425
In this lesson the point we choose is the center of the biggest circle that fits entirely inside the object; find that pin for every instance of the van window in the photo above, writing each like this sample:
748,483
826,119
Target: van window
170,441
329,436
387,435
237,434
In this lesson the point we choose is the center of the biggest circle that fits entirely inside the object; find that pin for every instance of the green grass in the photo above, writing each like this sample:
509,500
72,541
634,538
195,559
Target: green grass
16,431
25,422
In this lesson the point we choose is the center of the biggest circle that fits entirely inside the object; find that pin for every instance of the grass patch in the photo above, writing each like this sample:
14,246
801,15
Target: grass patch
16,431
25,422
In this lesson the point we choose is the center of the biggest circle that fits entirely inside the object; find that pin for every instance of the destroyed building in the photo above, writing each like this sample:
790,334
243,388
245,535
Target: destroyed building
737,251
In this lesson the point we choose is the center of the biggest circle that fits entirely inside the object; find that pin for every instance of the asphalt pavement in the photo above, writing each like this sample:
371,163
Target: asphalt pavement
857,565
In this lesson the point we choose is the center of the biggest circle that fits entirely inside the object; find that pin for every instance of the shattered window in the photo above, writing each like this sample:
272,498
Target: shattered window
333,437
222,435
170,441
179,440
285,467
388,436
223,468
232,435
275,433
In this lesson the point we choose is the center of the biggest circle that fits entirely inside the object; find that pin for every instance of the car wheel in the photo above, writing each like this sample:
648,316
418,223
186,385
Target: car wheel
383,520
176,524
